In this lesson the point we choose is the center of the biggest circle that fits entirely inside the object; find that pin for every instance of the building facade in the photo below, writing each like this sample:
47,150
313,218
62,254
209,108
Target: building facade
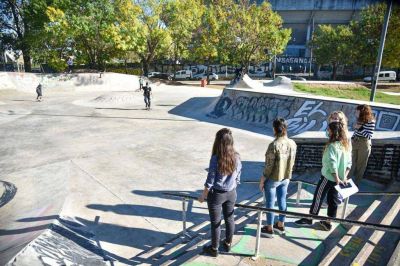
303,17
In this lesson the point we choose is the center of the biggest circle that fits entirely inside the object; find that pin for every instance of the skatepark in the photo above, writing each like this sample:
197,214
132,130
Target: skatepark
84,174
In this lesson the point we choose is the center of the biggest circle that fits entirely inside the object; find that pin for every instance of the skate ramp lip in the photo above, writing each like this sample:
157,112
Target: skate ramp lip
279,83
27,82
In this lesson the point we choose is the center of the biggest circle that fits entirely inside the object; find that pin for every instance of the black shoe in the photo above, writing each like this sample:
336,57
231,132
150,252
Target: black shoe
325,225
279,229
267,232
303,221
226,246
209,250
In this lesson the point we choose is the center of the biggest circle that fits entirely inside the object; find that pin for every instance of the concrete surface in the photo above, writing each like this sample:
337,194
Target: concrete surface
84,178
116,161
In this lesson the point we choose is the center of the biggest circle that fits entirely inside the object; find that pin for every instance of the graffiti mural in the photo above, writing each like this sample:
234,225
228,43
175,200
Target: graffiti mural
308,117
302,114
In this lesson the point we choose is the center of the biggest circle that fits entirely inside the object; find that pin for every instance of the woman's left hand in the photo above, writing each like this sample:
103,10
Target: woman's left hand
201,199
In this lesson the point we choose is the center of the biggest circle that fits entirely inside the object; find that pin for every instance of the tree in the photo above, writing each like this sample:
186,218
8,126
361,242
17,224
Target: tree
21,22
156,37
95,31
210,38
333,46
367,33
182,18
256,28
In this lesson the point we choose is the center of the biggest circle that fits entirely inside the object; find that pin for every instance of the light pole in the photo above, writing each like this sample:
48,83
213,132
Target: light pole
377,68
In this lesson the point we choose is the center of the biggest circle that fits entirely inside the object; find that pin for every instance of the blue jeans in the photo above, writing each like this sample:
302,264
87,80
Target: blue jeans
275,189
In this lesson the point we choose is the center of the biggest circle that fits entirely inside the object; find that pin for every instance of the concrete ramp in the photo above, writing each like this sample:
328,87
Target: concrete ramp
27,82
279,83
258,108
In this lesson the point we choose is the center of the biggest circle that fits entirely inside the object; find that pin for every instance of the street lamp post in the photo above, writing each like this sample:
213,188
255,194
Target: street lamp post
377,68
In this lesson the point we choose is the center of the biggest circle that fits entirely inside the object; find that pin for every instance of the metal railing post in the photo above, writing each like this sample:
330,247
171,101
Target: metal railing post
258,237
184,217
346,202
299,187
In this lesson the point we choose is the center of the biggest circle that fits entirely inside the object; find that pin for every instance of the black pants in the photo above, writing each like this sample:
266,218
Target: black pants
325,187
225,201
147,101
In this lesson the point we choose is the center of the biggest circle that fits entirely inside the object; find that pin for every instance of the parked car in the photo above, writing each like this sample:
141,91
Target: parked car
294,77
166,76
389,76
183,74
152,74
213,76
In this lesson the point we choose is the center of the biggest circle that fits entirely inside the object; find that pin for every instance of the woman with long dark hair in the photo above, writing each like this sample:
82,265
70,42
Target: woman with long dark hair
336,165
279,162
361,141
220,189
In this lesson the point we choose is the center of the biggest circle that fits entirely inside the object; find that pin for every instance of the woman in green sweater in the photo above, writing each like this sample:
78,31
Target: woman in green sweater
336,164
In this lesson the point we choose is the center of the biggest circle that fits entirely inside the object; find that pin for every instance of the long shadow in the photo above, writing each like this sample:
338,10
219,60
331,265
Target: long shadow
102,117
120,109
147,211
195,107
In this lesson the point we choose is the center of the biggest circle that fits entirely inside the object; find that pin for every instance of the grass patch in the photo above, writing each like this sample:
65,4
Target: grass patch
346,92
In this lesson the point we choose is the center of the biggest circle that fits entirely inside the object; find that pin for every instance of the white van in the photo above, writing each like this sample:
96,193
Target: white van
389,76
183,74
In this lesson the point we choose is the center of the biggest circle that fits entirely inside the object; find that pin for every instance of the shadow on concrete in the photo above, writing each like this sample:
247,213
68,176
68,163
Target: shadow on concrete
200,108
148,211
120,109
102,117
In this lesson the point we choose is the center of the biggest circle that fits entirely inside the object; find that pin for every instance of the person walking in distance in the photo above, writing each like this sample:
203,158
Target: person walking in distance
140,83
361,141
39,93
336,165
220,190
279,162
70,64
147,95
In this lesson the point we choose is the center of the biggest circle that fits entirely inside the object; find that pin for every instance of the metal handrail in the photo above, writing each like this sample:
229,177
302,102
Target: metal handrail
260,210
360,193
374,226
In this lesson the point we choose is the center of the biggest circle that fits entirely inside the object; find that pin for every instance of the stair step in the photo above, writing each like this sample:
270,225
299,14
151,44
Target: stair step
369,246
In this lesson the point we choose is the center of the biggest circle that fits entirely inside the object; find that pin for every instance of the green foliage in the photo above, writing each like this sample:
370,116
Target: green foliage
94,31
156,37
358,43
256,29
333,45
354,93
367,33
182,18
21,25
239,32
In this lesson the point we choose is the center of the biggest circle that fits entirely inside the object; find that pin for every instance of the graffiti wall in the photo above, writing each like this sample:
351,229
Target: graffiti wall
302,114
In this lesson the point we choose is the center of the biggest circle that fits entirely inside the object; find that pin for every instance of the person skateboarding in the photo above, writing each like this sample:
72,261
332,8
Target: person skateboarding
147,93
39,93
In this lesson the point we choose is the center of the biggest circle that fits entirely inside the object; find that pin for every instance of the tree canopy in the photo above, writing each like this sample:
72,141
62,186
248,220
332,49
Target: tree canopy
95,32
